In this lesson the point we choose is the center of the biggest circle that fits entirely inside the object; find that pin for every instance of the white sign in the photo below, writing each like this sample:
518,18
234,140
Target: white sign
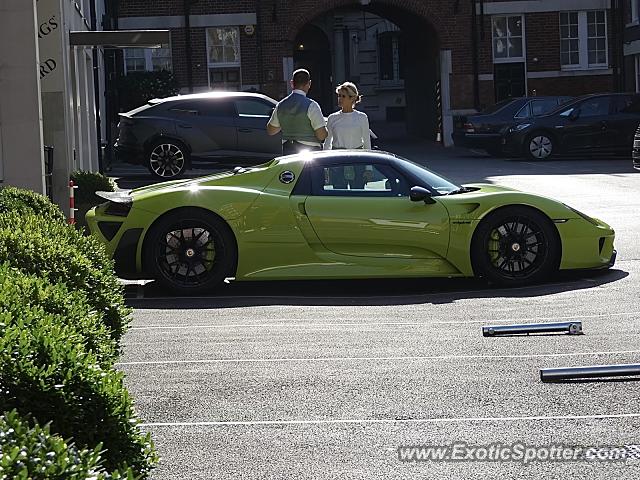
50,45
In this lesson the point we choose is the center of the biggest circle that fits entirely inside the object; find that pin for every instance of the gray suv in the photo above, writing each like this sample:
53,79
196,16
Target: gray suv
167,133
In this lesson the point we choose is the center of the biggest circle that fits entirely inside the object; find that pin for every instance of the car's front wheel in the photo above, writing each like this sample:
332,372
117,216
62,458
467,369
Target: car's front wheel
190,251
167,159
515,246
539,146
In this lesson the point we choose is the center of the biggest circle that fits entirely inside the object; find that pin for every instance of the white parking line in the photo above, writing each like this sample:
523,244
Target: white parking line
391,420
370,359
374,324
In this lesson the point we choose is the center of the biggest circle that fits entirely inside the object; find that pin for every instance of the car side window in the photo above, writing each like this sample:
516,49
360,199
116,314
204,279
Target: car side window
542,106
627,104
524,112
216,108
594,107
359,180
251,107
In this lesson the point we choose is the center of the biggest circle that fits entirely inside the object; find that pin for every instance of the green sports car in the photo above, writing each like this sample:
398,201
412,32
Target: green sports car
341,214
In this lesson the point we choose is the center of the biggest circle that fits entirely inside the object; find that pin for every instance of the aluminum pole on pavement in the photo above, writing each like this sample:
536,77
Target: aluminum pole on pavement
572,328
596,371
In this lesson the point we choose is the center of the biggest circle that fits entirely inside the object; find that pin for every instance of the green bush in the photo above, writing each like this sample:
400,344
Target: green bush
46,372
35,453
30,297
137,88
25,201
88,184
61,254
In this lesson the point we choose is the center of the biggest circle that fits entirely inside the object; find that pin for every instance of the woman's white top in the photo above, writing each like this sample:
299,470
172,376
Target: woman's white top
348,130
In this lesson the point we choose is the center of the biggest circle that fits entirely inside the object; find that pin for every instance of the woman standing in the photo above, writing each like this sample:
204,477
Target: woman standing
348,128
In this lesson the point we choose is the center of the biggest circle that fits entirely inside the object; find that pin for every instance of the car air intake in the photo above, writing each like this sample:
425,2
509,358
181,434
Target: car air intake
109,229
118,209
601,241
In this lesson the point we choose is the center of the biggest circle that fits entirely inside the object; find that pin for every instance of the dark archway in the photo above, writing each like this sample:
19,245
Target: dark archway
419,52
312,51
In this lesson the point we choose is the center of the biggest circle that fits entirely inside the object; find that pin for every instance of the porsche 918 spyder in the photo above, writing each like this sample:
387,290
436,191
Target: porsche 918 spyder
342,215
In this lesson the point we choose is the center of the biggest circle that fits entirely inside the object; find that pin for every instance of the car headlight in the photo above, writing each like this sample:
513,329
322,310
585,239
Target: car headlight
520,127
592,221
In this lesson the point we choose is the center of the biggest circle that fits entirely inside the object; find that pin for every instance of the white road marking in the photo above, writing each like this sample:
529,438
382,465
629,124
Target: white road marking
375,324
370,359
391,420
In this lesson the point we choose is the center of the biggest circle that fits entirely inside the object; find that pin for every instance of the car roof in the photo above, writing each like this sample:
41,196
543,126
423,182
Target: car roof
322,156
211,96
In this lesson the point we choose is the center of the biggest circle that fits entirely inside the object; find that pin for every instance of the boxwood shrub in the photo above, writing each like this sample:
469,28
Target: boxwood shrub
28,296
33,452
61,254
22,201
45,371
88,184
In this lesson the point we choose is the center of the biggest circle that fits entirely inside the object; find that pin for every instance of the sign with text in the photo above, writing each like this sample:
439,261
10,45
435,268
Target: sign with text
50,29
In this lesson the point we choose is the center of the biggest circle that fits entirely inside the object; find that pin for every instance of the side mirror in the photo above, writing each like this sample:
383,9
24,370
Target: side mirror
575,114
421,194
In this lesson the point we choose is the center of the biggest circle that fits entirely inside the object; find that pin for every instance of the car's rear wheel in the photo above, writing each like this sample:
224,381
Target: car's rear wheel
515,246
539,146
167,159
190,251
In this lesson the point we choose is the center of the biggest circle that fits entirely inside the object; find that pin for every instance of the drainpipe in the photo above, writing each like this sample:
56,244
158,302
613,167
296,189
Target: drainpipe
474,52
187,32
96,87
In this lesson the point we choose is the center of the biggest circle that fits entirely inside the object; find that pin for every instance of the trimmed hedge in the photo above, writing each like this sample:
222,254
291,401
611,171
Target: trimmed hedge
45,371
88,184
61,254
16,200
28,297
35,453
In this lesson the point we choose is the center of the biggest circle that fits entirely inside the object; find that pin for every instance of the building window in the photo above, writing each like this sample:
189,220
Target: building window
223,58
508,38
147,59
635,11
583,39
390,65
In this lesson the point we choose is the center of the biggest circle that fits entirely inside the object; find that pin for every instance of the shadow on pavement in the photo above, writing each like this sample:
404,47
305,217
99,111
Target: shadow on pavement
360,292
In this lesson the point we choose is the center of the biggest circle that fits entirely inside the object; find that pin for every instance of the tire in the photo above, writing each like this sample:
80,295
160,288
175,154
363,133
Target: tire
167,159
515,246
190,251
539,146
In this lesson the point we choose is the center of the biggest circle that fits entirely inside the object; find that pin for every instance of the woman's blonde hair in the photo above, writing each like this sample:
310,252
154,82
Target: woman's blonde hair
351,90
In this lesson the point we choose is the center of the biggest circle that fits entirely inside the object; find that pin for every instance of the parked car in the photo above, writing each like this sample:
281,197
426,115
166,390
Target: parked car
598,123
345,214
635,152
484,130
166,134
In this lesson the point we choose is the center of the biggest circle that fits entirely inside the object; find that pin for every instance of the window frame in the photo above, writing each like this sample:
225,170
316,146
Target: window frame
509,59
147,57
223,67
583,41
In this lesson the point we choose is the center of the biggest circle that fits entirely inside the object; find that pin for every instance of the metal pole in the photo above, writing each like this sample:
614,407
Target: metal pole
597,371
572,328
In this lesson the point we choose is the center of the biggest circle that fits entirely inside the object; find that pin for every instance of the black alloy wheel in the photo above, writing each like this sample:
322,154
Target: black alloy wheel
515,246
167,159
190,251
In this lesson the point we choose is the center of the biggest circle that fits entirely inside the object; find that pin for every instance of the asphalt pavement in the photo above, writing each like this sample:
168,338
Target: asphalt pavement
329,380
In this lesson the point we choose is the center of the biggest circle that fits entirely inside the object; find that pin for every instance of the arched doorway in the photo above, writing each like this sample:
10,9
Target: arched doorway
392,54
312,51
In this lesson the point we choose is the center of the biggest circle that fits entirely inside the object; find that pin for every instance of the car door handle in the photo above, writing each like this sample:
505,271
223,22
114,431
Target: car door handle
184,125
245,130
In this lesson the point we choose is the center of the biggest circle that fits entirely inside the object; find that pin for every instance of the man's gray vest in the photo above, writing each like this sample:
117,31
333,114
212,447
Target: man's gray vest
293,118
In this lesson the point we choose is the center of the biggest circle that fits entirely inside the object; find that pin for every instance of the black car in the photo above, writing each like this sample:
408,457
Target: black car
599,123
484,130
166,134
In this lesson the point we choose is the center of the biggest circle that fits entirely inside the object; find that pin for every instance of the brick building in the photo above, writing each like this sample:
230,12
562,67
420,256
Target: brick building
418,62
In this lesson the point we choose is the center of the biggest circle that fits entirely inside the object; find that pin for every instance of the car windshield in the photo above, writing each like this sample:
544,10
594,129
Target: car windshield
494,108
437,183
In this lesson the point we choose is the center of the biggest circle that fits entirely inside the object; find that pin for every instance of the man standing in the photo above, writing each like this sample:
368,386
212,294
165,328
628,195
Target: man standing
299,118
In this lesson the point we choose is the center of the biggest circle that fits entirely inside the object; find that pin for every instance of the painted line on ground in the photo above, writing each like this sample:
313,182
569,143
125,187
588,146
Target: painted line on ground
338,421
373,359
370,324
